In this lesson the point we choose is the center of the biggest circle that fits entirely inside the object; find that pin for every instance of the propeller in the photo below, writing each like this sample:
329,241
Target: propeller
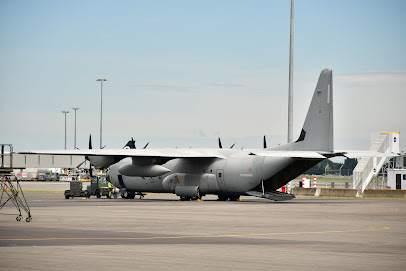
130,144
221,145
87,158
264,142
146,145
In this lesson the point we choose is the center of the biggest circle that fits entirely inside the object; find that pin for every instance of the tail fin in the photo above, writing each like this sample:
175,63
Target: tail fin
317,131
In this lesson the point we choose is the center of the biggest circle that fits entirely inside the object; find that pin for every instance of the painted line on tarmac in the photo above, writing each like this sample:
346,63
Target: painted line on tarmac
191,236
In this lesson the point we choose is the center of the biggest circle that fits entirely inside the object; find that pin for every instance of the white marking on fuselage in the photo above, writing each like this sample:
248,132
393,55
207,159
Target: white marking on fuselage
328,94
245,175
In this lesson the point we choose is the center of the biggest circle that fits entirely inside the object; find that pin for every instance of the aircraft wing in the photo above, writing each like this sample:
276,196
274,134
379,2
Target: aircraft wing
135,153
291,154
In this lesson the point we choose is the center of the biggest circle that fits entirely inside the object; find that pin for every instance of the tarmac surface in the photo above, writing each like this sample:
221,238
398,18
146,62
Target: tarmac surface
161,233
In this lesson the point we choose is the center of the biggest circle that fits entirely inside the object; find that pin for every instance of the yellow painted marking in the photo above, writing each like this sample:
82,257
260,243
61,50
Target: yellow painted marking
190,236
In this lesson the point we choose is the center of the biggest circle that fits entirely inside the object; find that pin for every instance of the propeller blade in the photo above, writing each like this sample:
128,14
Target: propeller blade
146,145
220,146
103,146
232,146
90,142
90,170
78,166
264,142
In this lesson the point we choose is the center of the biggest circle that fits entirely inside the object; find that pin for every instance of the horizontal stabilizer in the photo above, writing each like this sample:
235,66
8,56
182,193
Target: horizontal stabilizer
360,154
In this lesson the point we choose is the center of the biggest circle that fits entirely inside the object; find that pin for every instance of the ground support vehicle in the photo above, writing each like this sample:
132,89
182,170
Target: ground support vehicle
99,187
76,190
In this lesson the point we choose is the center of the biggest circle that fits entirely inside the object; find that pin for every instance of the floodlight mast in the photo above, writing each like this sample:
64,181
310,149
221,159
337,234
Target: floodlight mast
101,108
74,144
65,112
290,101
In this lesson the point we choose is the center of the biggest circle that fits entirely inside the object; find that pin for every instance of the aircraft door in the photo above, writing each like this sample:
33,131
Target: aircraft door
220,179
398,181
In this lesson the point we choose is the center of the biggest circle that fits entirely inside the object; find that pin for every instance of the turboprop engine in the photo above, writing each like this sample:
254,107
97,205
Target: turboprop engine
143,170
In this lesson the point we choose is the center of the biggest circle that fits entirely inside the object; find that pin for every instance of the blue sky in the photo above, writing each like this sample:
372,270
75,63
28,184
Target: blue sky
182,73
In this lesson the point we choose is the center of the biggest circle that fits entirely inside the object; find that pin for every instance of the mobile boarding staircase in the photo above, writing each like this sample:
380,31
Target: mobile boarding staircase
11,191
369,167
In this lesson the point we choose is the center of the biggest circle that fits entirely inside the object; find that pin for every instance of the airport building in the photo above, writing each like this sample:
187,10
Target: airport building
397,174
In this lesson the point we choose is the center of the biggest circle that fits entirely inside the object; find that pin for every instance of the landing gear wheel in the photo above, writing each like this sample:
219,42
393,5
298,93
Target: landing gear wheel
198,196
222,198
131,195
124,195
18,218
234,198
28,219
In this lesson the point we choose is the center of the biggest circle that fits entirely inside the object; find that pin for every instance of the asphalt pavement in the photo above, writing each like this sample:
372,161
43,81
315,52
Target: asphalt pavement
161,233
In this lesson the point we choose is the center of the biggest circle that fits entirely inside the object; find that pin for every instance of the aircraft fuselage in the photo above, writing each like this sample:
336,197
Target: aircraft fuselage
237,173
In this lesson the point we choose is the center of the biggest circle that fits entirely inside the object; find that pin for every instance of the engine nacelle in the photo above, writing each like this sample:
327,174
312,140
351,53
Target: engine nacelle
170,182
147,170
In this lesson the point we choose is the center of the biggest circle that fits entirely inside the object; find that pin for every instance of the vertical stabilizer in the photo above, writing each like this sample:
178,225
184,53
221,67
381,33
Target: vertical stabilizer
317,131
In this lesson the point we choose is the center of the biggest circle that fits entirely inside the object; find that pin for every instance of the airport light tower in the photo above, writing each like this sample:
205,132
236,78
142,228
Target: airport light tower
101,108
74,144
290,100
65,112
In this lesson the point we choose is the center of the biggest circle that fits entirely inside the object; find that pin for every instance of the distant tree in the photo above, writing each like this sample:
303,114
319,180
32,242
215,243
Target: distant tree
348,167
346,170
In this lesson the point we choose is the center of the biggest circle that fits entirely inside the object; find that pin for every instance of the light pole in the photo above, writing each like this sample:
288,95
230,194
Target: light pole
65,112
290,100
74,144
101,108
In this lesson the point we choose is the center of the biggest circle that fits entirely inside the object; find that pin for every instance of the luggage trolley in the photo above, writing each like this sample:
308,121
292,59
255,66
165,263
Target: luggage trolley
11,191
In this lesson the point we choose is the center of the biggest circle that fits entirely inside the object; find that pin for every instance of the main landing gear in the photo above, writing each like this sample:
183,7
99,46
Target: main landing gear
131,195
230,198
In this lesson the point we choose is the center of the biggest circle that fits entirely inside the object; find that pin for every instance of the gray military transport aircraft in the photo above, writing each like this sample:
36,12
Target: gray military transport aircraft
227,173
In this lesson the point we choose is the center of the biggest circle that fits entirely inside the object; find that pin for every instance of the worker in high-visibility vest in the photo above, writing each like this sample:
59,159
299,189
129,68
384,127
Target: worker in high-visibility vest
111,188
